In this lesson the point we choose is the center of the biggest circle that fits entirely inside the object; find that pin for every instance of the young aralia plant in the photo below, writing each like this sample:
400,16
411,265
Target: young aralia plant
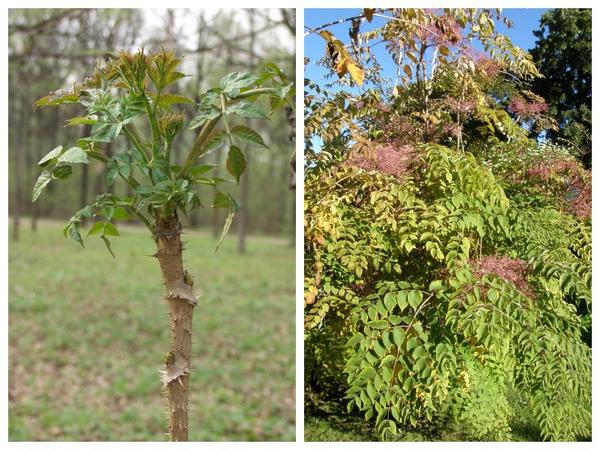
134,90
449,295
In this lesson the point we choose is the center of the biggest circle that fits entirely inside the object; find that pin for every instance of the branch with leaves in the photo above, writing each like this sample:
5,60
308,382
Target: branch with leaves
159,186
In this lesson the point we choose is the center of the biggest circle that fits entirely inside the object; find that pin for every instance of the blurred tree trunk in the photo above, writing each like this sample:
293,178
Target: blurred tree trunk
35,214
52,128
32,162
201,35
280,203
292,182
293,224
245,185
19,133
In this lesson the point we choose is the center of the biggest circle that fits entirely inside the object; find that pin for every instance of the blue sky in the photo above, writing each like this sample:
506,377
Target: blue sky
525,22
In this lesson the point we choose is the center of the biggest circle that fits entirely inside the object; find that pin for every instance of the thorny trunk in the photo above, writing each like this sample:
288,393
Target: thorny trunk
181,306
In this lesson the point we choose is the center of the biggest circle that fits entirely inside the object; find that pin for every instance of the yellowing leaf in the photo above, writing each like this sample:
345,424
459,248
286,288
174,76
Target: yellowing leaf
357,74
326,35
342,62
444,50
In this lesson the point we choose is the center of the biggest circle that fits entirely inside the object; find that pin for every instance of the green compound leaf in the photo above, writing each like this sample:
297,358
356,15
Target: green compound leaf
42,181
62,172
248,136
247,110
232,83
52,154
75,155
236,163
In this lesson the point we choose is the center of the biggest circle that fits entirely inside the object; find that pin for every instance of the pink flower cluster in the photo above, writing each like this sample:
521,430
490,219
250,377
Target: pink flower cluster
451,129
461,106
521,107
399,130
483,62
513,270
547,170
443,29
575,185
487,65
391,159
581,205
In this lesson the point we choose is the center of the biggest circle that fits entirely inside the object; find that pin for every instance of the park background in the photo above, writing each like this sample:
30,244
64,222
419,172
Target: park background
88,333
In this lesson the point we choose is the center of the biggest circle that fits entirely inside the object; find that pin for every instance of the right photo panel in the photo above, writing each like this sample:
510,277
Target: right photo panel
447,224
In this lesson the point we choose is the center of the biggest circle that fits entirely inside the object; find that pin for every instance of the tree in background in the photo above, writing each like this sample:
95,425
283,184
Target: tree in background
563,54
50,48
135,89
35,62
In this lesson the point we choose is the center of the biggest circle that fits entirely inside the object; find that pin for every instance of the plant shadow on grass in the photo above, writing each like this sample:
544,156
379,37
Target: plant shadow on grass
330,423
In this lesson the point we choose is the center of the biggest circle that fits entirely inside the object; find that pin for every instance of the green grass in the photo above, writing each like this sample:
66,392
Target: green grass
329,423
88,334
334,428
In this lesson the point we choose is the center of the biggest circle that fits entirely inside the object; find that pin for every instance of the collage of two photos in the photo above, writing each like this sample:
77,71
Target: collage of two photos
155,225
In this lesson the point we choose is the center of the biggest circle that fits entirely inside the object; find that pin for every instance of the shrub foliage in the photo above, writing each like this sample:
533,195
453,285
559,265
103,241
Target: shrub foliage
447,254
449,295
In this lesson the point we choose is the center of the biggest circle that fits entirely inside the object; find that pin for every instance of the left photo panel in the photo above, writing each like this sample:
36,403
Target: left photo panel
152,224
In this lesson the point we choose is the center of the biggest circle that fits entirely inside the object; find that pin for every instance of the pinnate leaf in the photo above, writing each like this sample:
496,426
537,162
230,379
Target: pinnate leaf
248,110
233,82
52,154
236,163
75,155
41,183
248,136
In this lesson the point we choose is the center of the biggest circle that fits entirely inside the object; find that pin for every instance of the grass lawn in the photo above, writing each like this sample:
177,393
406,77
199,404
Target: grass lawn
88,334
330,423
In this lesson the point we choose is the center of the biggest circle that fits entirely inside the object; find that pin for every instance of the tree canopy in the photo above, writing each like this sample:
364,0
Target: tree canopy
563,54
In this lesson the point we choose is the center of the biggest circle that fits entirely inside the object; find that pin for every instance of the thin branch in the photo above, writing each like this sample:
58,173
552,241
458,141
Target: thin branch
152,120
398,19
38,27
197,146
142,218
135,140
335,22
